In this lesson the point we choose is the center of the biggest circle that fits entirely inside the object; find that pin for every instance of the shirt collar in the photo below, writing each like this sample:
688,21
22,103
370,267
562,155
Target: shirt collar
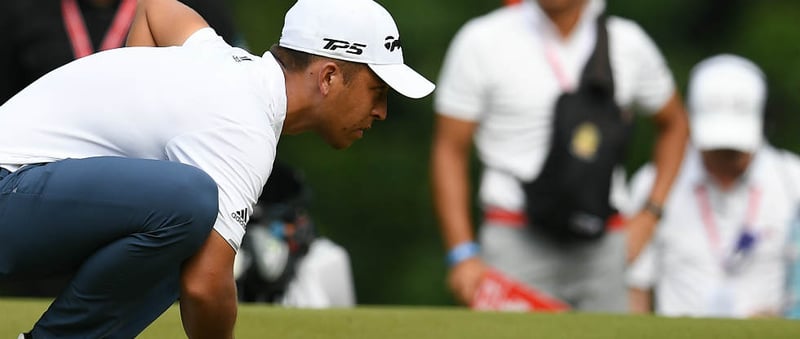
540,20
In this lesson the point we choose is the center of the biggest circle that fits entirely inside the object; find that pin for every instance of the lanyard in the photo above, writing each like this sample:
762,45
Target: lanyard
79,36
555,65
745,240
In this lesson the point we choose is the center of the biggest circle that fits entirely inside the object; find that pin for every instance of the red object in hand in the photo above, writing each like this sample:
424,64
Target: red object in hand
512,2
497,292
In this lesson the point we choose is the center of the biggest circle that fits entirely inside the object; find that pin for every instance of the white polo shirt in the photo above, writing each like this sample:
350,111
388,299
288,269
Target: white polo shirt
205,104
684,261
496,73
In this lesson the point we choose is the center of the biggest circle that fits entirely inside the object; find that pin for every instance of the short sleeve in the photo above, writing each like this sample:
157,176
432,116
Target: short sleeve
203,36
653,81
239,161
638,190
461,86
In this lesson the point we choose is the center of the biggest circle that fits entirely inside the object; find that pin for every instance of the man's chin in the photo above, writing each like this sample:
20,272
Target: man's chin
338,145
342,141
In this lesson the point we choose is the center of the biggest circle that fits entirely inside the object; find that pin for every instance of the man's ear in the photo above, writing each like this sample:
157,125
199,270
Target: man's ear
329,75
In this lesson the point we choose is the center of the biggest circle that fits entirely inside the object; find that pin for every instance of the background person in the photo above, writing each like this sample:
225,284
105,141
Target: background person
42,35
283,260
720,249
125,189
502,98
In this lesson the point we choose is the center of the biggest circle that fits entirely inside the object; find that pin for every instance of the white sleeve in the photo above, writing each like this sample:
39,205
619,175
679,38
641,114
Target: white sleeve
654,84
462,81
205,35
239,162
639,189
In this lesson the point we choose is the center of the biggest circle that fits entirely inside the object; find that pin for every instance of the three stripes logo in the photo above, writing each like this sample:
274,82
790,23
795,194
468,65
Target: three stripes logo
242,217
241,58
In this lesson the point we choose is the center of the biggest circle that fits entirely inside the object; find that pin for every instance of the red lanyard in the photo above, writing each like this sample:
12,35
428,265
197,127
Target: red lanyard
78,35
754,199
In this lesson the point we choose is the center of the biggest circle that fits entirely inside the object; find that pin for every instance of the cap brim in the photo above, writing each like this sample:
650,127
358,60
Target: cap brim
404,80
726,130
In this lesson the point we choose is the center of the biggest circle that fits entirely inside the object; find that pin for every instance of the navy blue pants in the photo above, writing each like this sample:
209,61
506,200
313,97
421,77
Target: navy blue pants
122,226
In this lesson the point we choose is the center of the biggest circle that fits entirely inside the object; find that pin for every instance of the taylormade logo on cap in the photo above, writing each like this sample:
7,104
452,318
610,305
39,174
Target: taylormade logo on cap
353,30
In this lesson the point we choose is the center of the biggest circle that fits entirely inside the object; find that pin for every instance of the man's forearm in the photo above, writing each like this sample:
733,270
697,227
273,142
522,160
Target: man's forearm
211,315
451,196
669,149
208,291
451,199
673,132
450,151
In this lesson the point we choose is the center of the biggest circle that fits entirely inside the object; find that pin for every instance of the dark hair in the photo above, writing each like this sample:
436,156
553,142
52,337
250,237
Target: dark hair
296,61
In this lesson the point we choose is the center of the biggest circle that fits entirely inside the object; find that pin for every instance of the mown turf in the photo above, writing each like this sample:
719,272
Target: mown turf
259,321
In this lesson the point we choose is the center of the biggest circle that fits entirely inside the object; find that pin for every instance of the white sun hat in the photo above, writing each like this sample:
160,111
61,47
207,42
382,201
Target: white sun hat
353,30
726,104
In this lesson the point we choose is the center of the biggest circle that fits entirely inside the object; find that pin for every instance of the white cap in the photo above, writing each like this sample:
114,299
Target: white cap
353,30
726,104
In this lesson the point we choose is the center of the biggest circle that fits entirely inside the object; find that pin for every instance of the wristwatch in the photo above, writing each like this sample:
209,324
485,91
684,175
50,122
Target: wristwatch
653,208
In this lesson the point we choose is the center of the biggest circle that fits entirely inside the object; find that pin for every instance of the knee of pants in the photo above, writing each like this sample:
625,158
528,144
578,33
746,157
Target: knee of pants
195,200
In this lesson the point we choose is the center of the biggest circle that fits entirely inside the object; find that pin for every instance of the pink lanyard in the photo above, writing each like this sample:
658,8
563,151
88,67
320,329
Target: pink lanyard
555,65
78,35
754,199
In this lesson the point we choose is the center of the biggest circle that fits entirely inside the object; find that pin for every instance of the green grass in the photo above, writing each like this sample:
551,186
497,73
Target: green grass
258,321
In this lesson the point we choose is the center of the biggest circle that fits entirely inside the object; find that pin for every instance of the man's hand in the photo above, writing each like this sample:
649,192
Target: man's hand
640,301
639,229
464,278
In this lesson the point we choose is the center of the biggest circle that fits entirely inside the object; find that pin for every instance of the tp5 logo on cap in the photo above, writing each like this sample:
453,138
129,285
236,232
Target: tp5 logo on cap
359,31
352,48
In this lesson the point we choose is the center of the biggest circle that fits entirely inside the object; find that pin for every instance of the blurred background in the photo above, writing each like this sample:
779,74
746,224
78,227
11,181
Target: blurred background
374,198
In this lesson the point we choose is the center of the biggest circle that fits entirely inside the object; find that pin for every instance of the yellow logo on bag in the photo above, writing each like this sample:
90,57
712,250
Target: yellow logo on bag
585,141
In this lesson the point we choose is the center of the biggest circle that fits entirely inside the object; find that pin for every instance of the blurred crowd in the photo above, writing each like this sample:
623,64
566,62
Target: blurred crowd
709,227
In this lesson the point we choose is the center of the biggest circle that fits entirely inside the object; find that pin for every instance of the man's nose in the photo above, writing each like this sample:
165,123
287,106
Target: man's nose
379,112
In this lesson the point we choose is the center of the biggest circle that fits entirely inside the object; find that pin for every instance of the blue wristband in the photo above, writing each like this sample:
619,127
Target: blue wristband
462,252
